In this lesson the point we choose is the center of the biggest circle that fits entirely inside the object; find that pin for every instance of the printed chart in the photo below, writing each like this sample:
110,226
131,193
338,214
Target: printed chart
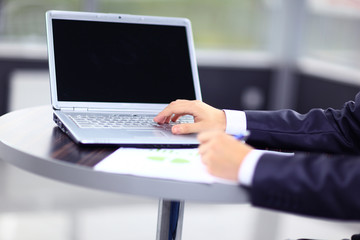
175,164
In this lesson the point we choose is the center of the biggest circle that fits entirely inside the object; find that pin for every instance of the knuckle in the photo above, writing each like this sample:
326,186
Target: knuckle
175,102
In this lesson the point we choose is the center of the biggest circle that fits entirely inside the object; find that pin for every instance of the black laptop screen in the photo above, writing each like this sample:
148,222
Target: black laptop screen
121,62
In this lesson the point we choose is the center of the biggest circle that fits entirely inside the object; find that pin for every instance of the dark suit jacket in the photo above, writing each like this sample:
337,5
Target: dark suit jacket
324,179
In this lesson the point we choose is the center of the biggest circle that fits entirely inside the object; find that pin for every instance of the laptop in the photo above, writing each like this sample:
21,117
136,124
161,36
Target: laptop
117,67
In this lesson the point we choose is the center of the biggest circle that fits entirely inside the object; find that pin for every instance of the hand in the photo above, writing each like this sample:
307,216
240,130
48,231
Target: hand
222,154
205,116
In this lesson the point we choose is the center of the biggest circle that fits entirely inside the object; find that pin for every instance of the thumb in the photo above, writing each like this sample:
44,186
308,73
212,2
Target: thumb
186,128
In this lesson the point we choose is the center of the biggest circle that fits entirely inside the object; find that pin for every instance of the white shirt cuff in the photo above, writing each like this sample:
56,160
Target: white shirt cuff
247,169
235,122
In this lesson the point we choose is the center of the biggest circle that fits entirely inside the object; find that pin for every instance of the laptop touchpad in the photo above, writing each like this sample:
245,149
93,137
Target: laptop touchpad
142,133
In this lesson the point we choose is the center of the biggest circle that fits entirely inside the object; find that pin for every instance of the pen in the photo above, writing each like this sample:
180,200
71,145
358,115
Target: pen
242,136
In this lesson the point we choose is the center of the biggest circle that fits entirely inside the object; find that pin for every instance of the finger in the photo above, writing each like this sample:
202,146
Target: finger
205,157
168,119
160,119
202,149
187,128
204,160
176,117
178,107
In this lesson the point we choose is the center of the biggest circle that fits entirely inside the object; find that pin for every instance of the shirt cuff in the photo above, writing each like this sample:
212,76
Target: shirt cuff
235,122
247,169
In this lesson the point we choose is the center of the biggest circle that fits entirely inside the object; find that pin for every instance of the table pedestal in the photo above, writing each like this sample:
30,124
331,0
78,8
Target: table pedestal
170,220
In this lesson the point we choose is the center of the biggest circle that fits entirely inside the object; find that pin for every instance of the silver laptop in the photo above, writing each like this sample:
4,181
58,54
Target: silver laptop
111,73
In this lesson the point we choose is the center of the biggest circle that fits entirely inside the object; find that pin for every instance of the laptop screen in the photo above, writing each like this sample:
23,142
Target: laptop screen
121,62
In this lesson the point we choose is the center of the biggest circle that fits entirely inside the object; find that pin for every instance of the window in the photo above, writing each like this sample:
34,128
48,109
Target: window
226,24
332,31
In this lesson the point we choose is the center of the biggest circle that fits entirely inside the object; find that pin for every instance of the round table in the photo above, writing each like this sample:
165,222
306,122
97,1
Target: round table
30,140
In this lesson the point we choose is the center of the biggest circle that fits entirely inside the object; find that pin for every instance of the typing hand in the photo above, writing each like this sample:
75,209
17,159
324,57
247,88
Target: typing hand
205,116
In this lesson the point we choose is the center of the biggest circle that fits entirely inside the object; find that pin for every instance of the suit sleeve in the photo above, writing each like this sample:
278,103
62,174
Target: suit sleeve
330,130
324,181
318,185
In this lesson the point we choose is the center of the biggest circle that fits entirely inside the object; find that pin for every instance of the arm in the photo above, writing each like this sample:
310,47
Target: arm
310,184
318,185
332,131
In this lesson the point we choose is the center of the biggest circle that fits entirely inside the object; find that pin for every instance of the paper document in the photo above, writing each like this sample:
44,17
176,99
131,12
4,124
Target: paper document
174,164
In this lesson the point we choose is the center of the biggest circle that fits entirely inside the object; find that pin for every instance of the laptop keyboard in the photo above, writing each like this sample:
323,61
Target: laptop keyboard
122,121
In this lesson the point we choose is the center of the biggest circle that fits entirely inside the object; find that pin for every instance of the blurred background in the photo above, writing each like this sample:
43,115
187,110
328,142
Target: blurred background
252,54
